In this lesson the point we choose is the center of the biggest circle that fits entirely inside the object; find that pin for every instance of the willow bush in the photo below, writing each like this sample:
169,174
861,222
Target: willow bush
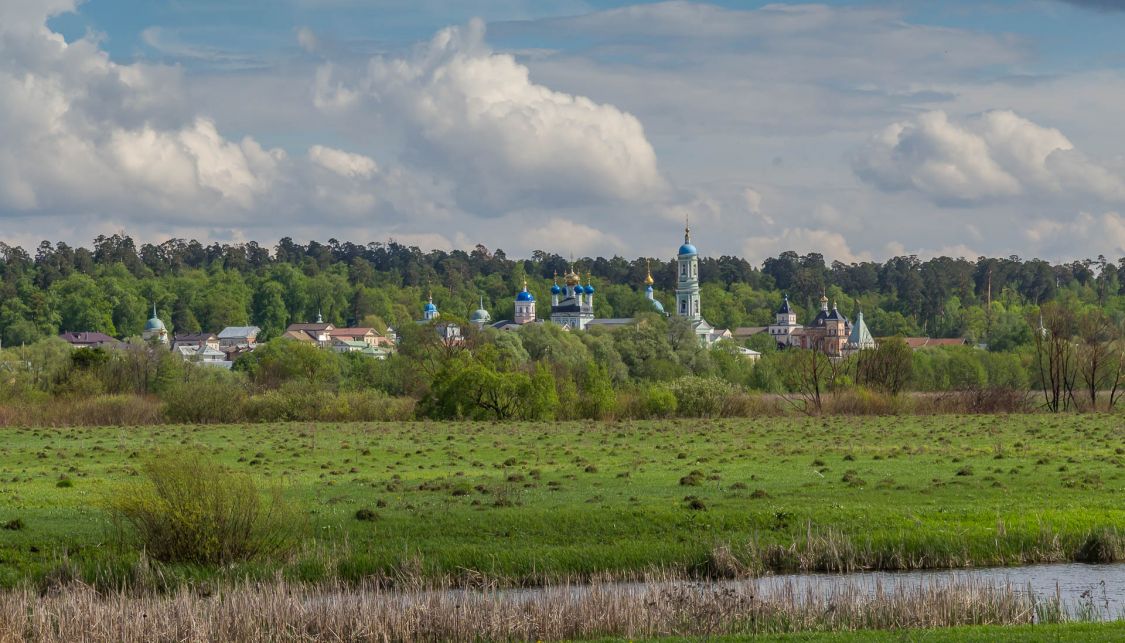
189,508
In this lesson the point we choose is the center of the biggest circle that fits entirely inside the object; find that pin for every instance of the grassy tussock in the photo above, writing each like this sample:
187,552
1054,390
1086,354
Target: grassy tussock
666,606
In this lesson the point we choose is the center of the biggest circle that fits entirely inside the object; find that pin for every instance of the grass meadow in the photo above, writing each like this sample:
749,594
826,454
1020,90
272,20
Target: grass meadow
527,503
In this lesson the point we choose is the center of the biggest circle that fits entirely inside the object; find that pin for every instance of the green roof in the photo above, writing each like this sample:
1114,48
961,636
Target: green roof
861,337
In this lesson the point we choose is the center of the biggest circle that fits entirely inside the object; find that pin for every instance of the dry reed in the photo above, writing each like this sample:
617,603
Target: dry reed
664,606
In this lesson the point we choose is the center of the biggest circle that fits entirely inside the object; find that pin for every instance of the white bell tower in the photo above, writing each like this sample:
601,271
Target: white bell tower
687,282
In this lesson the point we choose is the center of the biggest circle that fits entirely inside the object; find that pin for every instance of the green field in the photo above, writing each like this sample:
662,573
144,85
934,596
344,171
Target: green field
532,502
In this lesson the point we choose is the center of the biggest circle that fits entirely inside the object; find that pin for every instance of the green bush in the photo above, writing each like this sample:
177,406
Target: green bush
864,401
300,403
190,509
204,402
701,396
364,406
281,405
659,402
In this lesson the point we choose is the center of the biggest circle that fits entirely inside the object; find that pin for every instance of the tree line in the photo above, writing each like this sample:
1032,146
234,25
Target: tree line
111,287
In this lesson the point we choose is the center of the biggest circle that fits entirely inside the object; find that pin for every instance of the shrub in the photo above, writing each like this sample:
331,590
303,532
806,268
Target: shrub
305,404
204,402
982,400
190,509
701,396
864,401
659,402
745,405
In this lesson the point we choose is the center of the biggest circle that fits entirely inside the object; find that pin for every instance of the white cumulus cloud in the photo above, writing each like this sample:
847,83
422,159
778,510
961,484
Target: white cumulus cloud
477,117
80,132
343,163
832,245
993,156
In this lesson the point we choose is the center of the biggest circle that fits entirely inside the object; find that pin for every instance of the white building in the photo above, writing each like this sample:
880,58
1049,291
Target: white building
525,306
688,302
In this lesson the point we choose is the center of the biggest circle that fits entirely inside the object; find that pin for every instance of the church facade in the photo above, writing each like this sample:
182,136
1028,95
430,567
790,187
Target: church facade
572,305
830,332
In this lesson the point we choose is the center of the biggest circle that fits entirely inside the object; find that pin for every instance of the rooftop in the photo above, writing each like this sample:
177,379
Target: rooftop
236,332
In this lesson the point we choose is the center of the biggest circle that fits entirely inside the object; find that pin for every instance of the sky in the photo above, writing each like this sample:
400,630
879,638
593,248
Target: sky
860,130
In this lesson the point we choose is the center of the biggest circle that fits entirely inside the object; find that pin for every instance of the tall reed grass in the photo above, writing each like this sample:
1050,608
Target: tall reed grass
102,410
664,606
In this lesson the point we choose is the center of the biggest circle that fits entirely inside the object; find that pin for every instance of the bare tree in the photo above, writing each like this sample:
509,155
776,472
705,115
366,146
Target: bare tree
1115,375
1096,348
814,374
887,367
1055,355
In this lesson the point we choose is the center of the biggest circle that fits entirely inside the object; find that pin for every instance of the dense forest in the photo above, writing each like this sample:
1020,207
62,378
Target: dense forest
111,287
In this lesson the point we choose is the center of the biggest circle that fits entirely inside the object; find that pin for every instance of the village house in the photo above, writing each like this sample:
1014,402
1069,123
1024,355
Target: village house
195,340
89,339
203,354
368,336
317,332
236,340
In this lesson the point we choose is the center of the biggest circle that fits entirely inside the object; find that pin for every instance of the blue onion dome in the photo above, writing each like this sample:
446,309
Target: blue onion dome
524,295
589,289
430,307
555,289
687,248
